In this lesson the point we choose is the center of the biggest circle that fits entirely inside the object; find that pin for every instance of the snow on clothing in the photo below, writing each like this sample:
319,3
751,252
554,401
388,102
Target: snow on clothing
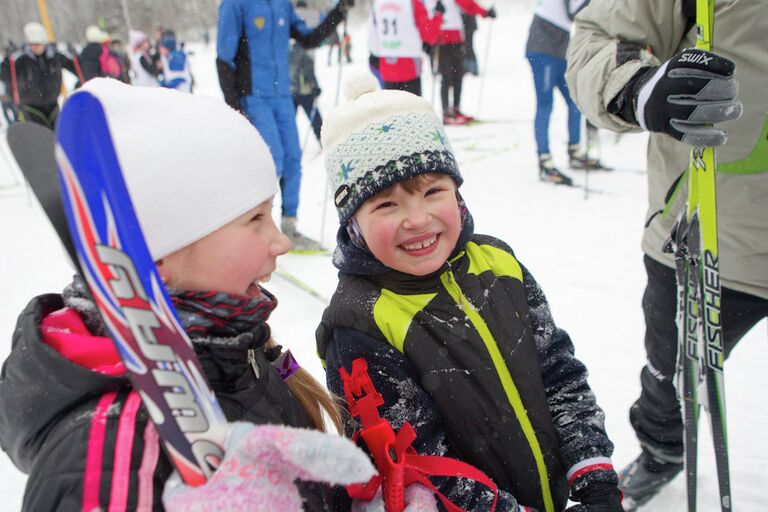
69,418
401,27
252,62
38,81
608,48
545,50
454,353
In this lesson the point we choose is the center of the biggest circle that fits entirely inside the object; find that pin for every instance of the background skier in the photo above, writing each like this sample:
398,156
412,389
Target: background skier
33,76
402,28
451,54
545,50
252,62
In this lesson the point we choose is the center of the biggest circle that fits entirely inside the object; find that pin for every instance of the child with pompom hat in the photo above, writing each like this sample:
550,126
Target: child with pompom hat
456,333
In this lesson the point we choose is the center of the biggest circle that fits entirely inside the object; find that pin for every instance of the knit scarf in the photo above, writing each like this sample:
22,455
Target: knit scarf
207,317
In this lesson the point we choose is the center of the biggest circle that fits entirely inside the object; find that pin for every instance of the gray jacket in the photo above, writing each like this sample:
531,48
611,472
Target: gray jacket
597,72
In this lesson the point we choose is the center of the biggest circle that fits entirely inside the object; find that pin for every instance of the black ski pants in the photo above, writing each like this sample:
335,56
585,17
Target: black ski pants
308,103
451,66
412,86
656,416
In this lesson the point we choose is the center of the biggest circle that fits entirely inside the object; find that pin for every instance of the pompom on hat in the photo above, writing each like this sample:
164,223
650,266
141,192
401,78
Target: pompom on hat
34,33
185,182
378,138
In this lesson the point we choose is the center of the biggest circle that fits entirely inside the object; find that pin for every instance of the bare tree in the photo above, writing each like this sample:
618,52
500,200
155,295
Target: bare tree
70,18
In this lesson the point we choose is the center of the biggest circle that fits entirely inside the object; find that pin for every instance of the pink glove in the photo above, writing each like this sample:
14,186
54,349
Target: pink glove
260,466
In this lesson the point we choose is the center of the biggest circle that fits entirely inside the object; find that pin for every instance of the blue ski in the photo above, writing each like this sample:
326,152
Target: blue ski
127,289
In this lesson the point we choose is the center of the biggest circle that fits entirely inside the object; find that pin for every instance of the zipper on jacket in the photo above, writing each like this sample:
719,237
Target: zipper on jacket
512,394
252,362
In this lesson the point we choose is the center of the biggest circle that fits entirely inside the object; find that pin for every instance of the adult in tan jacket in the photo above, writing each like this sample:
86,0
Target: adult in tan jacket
628,70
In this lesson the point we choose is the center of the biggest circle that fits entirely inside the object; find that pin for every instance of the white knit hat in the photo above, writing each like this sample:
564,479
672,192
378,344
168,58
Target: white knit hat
136,38
94,34
34,33
191,163
378,138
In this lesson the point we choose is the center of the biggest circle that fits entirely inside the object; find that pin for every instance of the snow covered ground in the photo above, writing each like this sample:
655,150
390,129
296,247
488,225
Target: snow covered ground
583,251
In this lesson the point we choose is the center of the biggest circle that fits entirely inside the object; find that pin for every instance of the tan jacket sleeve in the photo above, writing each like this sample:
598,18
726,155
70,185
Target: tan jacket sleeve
595,74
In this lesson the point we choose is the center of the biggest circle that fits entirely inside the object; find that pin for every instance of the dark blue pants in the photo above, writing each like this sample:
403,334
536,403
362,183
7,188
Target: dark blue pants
548,73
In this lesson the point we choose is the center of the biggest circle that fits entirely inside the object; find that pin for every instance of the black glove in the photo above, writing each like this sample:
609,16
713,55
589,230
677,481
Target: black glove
692,89
490,13
439,7
598,497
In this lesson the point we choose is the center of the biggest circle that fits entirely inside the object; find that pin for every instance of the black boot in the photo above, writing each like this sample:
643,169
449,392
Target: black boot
644,477
548,171
579,159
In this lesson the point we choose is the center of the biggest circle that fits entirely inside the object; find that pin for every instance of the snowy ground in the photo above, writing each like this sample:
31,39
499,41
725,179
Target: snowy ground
583,251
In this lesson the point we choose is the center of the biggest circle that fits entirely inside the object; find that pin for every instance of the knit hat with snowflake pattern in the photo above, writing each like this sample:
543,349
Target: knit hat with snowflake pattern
378,138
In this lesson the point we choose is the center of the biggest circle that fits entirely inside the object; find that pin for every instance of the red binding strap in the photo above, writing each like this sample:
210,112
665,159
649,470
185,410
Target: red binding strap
14,81
398,463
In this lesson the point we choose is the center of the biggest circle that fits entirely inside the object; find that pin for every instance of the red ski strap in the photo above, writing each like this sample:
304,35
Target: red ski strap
396,460
76,63
14,81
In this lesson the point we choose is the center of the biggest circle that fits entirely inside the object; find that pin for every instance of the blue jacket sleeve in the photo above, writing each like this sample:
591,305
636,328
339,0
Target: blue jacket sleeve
578,420
229,31
312,37
404,400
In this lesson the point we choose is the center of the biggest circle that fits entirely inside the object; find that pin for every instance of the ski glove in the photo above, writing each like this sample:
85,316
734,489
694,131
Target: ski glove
490,13
260,466
693,89
598,497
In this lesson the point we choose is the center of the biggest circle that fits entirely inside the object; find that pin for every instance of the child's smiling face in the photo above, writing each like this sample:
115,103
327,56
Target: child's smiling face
412,231
233,259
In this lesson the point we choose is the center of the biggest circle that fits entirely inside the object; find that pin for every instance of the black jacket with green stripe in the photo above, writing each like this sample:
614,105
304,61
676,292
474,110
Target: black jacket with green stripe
471,357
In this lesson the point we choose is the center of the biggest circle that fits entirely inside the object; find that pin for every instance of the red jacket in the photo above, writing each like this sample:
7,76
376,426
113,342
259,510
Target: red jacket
457,36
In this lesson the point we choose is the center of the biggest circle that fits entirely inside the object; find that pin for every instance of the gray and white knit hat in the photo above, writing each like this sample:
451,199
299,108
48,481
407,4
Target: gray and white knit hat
378,138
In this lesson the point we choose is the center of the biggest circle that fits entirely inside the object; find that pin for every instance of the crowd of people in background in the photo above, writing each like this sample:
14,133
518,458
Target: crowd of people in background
31,77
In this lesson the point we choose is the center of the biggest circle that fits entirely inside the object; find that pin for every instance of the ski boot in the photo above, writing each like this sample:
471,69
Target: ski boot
461,115
300,244
644,477
450,118
579,159
548,171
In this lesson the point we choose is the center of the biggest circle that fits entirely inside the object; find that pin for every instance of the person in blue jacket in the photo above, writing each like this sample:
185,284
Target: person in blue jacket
252,63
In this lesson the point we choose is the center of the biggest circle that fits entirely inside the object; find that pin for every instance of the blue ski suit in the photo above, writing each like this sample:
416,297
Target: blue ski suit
252,62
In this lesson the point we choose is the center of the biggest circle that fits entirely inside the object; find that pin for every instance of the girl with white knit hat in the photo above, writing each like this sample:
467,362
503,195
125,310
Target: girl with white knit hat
69,416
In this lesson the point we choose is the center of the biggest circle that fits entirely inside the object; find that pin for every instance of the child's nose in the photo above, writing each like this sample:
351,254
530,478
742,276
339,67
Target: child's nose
281,244
416,218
